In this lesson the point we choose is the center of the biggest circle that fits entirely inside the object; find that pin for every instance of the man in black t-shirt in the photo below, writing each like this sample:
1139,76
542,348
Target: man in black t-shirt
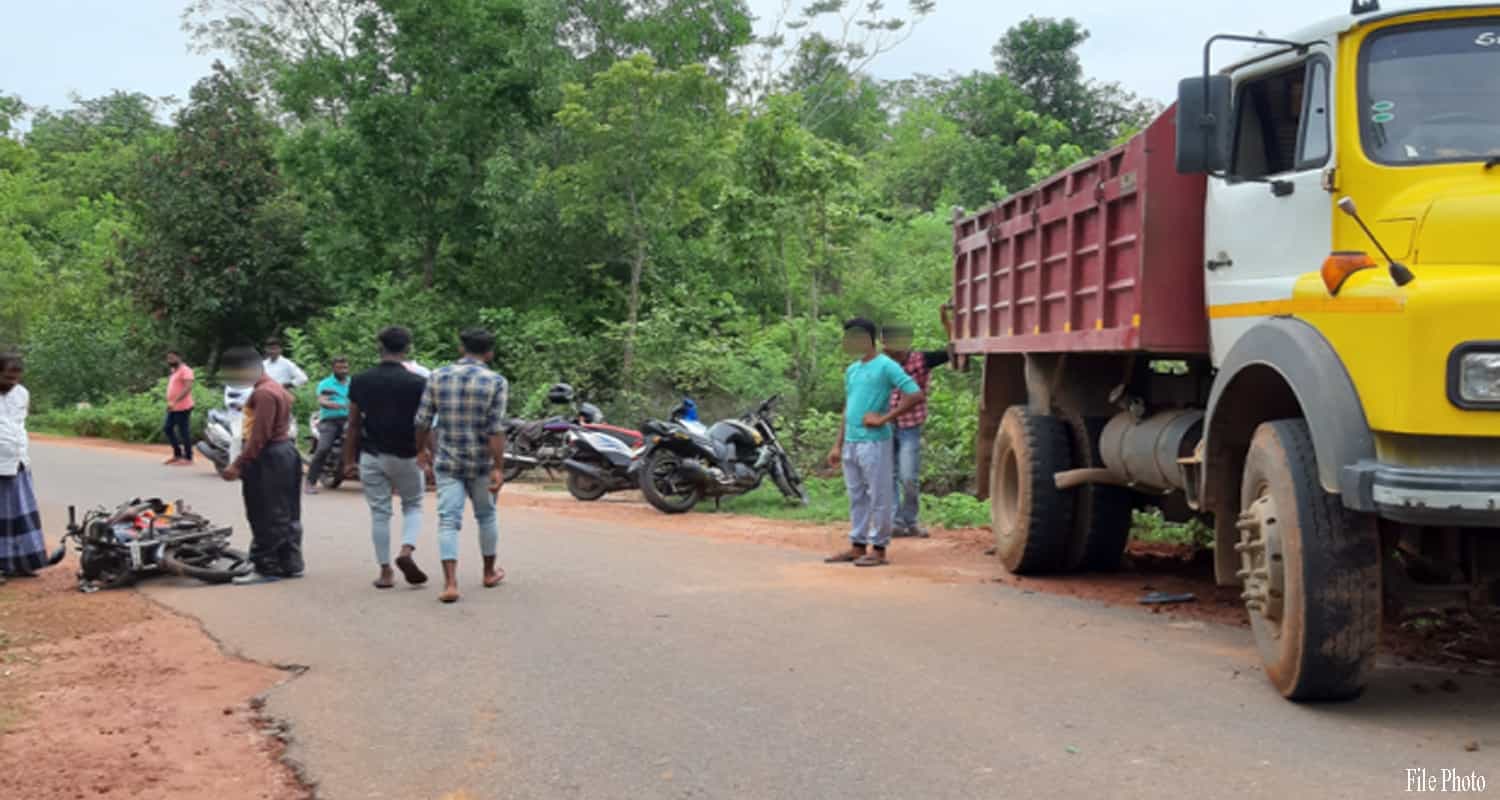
382,436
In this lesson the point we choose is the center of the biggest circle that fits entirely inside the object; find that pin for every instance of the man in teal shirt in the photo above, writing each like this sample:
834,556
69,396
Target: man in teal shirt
865,446
333,413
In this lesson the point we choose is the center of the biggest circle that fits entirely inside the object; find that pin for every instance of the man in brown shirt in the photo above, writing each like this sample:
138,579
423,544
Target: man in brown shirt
270,472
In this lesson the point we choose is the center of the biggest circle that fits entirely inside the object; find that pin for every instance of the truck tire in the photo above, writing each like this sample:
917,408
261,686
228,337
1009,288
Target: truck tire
1101,513
1310,570
1032,520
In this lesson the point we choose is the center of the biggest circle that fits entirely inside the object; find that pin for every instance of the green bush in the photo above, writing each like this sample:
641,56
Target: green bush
131,418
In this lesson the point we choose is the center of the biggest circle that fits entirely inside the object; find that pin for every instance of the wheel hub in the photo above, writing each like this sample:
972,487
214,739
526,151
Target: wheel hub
1262,565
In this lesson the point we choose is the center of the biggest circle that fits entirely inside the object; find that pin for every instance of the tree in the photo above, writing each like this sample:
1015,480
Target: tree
1040,56
856,34
675,33
838,104
794,205
646,147
431,91
219,256
91,148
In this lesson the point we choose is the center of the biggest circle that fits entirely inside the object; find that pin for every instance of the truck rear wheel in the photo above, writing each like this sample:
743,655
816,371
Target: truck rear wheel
1032,519
1102,513
1310,570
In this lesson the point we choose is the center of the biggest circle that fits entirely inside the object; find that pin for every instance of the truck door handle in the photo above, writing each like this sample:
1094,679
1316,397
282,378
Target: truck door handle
1219,263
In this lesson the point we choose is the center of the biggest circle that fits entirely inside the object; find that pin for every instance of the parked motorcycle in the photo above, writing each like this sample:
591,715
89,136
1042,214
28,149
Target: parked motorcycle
682,462
144,537
543,443
602,460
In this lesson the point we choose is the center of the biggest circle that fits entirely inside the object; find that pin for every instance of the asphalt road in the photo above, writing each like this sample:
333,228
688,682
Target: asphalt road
618,662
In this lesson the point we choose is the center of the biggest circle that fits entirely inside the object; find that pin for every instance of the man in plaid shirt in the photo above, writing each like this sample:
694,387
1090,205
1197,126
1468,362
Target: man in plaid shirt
468,401
908,439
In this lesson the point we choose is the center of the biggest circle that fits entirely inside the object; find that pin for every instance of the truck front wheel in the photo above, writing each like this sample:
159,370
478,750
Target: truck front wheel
1032,519
1310,570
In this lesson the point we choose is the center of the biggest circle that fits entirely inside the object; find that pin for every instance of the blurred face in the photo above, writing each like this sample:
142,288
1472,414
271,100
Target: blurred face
273,351
10,375
173,360
898,342
857,342
341,369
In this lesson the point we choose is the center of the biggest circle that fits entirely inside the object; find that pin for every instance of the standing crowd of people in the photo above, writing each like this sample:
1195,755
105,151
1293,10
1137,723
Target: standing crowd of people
397,420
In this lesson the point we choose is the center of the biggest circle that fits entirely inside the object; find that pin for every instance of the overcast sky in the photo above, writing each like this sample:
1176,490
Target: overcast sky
90,47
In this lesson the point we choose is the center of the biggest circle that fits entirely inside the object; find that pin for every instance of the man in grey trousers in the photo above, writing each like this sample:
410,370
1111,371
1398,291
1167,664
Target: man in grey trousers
864,446
382,435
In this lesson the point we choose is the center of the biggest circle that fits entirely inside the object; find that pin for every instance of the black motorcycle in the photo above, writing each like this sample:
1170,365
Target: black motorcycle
684,462
144,537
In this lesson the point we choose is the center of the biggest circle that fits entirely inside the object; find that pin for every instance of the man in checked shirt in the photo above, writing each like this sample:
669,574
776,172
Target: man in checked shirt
908,439
468,401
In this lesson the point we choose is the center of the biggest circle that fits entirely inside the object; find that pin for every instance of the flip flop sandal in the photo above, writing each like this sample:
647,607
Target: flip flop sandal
871,561
409,570
849,557
490,583
379,584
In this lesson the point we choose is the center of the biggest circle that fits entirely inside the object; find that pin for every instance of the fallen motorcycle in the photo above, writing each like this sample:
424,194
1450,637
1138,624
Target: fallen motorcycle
147,537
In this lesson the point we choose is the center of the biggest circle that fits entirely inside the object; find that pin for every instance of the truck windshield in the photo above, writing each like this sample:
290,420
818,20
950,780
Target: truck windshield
1431,93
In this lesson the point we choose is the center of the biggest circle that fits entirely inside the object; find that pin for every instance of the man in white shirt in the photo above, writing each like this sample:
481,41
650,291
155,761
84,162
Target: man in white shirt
23,551
282,370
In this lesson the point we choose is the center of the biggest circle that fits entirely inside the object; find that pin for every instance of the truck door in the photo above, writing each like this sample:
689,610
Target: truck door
1269,220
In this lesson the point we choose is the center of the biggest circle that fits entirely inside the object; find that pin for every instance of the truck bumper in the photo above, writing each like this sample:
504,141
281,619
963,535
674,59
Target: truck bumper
1424,496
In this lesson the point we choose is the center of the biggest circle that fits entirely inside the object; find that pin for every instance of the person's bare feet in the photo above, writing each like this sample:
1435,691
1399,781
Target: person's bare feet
493,575
450,582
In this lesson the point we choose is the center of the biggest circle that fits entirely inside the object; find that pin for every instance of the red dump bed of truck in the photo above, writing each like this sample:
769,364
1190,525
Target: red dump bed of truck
1106,255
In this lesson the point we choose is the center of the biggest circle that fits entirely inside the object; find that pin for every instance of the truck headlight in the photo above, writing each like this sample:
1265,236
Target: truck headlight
1474,375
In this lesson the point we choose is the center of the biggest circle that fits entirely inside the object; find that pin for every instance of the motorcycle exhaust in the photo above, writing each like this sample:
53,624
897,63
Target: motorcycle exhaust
515,459
587,470
696,472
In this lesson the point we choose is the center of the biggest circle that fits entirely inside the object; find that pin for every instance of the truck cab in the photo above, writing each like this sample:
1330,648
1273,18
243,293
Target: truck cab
1335,202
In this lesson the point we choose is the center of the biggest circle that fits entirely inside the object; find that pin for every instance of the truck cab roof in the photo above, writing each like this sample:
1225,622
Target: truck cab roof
1342,23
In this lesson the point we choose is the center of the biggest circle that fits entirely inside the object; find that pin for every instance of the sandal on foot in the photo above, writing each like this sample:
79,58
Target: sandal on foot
871,560
494,580
448,597
409,570
381,583
846,557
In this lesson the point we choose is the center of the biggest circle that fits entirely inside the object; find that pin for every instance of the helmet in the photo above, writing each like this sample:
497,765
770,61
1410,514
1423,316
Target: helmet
560,393
590,413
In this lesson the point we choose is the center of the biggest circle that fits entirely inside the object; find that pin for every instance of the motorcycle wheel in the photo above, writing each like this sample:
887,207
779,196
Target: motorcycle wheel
584,488
107,570
657,486
210,565
513,469
788,481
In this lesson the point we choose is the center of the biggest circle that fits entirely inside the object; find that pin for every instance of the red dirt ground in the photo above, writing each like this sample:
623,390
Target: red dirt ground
109,695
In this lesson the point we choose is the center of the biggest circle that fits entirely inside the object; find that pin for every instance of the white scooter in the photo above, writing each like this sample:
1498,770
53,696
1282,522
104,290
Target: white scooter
225,432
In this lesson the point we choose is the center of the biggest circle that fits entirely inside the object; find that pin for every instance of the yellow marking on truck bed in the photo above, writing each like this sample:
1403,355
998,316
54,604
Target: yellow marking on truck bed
1135,320
1328,305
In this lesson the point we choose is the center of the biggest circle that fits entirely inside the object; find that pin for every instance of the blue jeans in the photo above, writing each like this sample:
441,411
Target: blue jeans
869,476
385,475
451,493
908,443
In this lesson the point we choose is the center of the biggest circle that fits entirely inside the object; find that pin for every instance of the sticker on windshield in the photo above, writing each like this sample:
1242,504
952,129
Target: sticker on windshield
1382,111
1382,117
1382,105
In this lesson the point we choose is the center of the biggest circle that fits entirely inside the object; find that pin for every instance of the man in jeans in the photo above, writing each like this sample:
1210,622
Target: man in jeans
333,412
382,434
271,470
468,401
864,443
179,424
908,435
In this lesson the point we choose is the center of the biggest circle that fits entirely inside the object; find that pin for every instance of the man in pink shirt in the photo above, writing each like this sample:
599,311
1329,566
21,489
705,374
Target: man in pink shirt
179,425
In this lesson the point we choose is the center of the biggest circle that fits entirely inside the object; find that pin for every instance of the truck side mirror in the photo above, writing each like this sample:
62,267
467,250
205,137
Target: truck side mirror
1203,124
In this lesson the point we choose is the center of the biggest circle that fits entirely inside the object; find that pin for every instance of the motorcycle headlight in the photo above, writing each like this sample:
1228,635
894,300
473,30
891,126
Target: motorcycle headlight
1474,375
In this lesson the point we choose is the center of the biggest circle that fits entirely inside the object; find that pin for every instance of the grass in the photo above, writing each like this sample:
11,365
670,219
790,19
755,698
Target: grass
1150,526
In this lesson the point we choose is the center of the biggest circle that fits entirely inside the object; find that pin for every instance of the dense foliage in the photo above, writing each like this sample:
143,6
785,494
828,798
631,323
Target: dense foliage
638,196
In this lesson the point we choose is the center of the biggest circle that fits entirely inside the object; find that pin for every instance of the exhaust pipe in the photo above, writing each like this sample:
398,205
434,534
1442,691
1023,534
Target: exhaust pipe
515,459
695,472
587,470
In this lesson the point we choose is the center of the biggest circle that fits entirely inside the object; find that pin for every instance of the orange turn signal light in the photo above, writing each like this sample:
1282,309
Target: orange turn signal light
1340,264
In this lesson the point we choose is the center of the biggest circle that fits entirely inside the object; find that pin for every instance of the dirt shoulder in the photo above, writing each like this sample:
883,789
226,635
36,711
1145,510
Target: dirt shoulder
108,694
